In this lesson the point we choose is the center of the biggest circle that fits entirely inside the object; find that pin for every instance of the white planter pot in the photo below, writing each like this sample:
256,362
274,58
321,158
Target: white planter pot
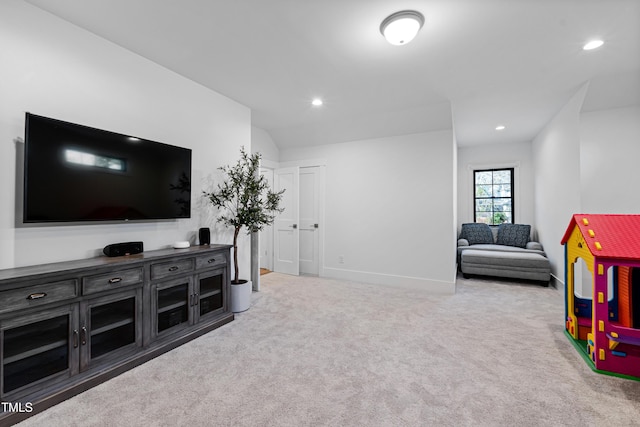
241,296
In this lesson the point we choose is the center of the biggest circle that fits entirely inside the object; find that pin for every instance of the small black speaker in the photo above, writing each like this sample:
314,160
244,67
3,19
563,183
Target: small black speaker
120,249
205,236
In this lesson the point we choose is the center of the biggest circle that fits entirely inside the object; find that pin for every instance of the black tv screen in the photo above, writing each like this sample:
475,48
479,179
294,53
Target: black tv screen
78,173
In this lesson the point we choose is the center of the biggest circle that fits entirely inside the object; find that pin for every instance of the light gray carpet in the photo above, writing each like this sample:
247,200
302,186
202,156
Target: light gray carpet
319,352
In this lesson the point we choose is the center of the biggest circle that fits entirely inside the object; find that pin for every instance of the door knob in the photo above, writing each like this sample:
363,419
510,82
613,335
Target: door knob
295,226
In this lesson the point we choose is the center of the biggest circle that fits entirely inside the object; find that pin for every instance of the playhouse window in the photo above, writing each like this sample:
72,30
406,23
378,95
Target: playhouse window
625,309
582,280
493,196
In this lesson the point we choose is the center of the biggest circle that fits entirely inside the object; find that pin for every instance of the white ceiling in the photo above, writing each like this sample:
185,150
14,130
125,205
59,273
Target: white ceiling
478,63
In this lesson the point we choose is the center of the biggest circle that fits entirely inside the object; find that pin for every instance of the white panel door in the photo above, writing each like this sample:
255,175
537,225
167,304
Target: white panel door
309,219
266,234
286,233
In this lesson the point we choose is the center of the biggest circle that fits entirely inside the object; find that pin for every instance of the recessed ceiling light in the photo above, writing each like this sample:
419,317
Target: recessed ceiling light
593,44
500,127
401,27
316,102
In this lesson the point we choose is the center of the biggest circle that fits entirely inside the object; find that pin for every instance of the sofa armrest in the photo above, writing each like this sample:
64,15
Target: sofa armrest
463,242
534,245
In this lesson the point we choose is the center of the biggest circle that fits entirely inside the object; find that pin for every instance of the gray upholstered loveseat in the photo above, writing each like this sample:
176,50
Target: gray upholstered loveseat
503,251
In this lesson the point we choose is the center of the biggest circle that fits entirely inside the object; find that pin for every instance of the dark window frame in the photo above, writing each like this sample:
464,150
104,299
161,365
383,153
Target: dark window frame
511,197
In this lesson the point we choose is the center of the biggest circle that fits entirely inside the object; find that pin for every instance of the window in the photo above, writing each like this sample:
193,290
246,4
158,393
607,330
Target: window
493,196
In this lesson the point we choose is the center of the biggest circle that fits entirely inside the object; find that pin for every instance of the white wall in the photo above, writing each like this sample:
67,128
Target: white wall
52,68
518,156
610,161
456,192
556,157
261,142
584,163
389,209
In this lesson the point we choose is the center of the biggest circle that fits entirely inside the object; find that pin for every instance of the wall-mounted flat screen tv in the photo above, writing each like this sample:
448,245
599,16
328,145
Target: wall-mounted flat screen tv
78,173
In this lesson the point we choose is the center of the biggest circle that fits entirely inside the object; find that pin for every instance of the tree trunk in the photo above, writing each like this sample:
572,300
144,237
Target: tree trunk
236,231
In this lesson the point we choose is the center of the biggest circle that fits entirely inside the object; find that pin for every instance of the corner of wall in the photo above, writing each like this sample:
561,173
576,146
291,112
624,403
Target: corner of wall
261,142
556,164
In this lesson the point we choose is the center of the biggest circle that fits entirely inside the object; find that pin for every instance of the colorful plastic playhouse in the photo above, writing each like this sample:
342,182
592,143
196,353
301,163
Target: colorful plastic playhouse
604,325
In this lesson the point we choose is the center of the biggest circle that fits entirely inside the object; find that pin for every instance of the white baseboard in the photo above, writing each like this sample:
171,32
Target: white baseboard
556,282
437,287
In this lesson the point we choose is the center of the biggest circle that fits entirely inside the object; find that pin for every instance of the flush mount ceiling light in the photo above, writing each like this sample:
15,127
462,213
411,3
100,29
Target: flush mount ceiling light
500,127
316,102
401,27
593,44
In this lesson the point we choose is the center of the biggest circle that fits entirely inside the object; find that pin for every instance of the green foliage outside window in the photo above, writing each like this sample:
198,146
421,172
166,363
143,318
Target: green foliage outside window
493,196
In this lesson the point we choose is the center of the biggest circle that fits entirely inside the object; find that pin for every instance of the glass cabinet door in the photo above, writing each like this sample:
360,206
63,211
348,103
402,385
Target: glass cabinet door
210,295
112,323
172,304
36,348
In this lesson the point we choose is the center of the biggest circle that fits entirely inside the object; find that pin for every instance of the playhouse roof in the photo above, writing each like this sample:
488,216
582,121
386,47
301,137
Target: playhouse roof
608,236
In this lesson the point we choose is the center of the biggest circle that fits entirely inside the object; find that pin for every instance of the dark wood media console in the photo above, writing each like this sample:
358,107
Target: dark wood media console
66,327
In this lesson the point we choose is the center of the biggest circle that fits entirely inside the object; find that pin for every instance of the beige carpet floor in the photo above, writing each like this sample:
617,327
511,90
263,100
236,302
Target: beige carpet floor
320,352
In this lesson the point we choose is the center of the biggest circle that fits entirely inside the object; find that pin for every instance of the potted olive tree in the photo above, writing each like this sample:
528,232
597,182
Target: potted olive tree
244,199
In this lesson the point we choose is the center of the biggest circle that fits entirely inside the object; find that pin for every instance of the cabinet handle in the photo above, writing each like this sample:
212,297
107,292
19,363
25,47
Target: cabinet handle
174,268
193,300
75,338
83,335
211,260
36,295
115,280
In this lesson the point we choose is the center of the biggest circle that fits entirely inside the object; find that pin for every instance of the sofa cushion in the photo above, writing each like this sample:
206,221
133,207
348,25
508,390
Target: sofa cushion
476,233
534,245
514,260
499,248
518,265
513,235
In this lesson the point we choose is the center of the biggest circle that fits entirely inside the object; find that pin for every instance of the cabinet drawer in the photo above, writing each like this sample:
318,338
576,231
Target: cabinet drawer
34,296
113,280
211,260
171,268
